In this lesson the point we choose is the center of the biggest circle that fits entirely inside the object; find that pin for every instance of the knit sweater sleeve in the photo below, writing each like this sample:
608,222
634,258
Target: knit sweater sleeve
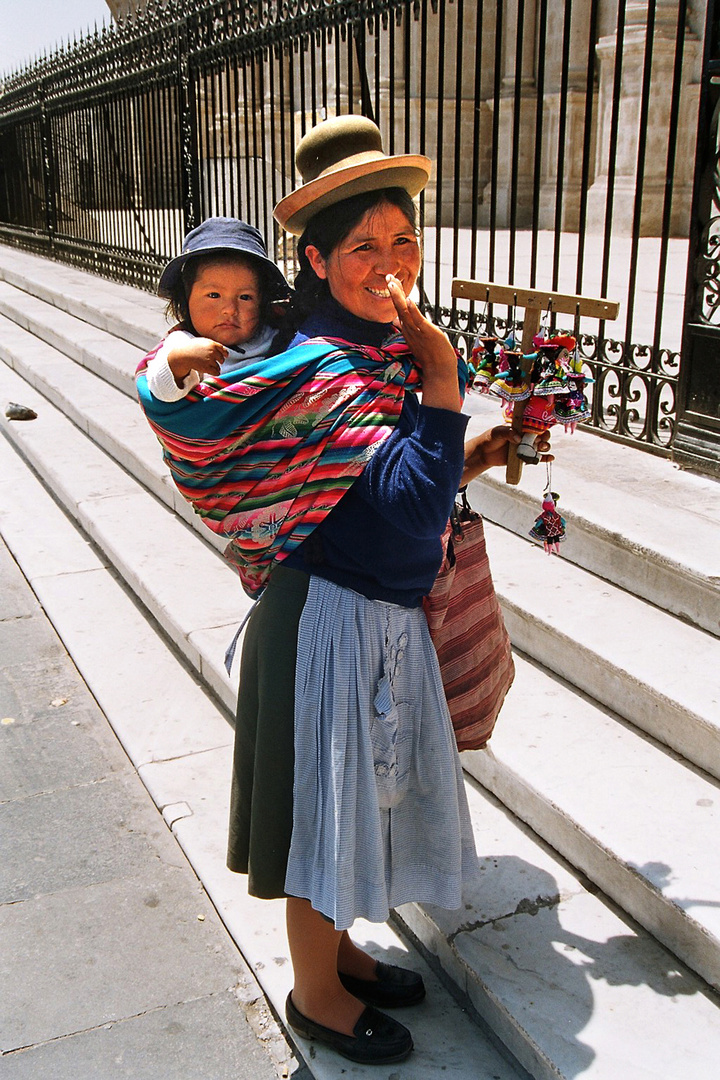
160,379
412,480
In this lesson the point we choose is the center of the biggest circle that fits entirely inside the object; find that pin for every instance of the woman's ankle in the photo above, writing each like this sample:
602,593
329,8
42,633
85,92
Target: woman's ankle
352,960
338,1011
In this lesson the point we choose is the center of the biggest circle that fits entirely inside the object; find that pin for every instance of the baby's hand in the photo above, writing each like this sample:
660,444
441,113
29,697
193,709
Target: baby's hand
201,354
206,355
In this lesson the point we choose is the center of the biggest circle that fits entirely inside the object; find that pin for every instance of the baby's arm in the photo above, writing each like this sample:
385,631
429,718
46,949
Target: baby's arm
176,367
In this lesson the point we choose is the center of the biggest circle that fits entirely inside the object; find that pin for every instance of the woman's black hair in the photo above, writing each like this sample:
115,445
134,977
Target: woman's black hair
325,231
177,307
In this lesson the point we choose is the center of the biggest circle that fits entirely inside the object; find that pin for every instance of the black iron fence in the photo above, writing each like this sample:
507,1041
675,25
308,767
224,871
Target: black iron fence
563,135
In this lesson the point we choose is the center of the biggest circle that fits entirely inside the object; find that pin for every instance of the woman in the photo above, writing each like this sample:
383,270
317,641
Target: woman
348,795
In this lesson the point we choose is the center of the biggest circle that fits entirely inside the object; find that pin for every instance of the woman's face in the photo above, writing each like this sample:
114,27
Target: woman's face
224,302
383,242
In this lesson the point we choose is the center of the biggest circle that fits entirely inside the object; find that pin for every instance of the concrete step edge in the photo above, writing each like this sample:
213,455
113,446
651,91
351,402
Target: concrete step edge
660,578
611,646
694,735
686,937
63,334
131,316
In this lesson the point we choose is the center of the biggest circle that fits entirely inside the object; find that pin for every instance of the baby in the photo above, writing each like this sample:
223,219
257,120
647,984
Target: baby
221,290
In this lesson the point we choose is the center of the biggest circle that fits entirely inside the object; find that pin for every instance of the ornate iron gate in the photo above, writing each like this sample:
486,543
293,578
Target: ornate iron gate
697,442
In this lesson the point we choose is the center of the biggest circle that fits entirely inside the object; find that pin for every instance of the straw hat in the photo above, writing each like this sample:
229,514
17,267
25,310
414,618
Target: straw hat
343,157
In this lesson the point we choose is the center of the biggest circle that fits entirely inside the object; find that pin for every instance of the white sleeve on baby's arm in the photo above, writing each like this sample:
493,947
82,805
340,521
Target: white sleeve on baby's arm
160,379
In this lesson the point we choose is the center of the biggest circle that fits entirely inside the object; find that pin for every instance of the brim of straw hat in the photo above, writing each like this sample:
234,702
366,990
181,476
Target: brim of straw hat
408,171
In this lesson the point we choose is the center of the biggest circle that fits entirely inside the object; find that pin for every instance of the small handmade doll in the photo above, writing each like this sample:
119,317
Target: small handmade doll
574,406
549,527
510,384
484,359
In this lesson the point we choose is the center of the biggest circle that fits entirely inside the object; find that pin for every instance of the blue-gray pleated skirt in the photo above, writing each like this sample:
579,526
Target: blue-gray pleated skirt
378,815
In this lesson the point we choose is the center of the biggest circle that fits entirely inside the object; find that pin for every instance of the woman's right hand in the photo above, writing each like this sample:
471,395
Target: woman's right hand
201,354
431,348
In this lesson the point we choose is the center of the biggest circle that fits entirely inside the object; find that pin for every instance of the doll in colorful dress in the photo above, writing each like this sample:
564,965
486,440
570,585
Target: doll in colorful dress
484,359
549,527
548,380
574,406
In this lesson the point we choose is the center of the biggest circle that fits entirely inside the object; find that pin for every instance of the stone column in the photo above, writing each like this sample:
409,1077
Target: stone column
526,141
458,113
575,101
658,123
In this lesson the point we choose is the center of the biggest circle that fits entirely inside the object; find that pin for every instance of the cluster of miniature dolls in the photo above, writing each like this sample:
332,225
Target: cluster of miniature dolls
550,380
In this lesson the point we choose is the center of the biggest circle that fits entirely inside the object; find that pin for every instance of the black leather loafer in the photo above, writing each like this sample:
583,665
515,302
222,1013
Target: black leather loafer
376,1039
395,987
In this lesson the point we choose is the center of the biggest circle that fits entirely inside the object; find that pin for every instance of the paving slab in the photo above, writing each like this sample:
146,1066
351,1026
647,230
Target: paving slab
72,836
112,951
41,756
194,1040
63,977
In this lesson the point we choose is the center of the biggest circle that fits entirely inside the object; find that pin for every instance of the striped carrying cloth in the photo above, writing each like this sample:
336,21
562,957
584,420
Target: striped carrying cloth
264,455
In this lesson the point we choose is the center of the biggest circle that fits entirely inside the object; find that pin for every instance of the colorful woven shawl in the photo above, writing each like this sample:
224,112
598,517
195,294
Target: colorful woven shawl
265,457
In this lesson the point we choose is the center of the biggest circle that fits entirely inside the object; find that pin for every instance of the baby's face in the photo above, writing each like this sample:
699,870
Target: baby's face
224,302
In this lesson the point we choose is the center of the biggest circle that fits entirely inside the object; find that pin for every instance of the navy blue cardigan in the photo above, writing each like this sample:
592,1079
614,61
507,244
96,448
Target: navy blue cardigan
383,537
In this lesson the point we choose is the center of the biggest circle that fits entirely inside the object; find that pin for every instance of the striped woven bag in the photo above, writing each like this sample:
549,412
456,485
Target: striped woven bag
468,631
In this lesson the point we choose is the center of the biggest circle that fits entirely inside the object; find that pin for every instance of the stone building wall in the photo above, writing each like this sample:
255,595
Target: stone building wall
558,187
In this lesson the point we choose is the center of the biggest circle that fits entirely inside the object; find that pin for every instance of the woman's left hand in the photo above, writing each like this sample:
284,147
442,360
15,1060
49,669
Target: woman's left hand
431,348
491,448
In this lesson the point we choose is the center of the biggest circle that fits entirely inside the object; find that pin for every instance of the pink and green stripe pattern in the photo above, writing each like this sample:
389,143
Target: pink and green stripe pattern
264,455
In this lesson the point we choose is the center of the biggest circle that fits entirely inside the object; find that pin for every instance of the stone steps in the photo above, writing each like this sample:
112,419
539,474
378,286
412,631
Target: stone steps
520,950
599,791
180,742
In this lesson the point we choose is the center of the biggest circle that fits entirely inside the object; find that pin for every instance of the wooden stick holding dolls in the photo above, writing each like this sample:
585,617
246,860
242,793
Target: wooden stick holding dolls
540,379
